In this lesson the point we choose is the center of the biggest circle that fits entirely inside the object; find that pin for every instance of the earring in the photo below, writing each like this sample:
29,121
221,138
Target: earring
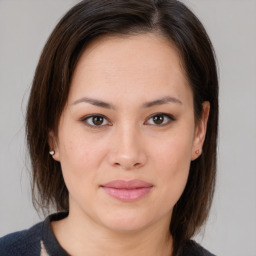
197,151
52,152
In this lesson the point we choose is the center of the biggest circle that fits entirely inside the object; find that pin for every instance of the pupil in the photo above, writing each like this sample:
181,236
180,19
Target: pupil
98,120
158,119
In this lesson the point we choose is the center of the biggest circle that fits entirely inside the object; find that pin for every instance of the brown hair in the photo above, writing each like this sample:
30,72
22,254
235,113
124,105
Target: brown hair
87,21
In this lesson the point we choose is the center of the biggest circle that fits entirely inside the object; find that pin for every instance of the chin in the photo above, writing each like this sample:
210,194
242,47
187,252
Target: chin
126,226
127,221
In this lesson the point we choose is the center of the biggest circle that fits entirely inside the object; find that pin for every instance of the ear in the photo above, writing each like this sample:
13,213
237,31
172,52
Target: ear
200,132
53,145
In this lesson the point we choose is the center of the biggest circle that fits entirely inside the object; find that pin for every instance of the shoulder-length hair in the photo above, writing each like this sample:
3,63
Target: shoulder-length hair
87,21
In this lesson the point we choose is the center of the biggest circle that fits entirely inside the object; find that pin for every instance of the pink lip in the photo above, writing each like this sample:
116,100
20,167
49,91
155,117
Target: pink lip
127,190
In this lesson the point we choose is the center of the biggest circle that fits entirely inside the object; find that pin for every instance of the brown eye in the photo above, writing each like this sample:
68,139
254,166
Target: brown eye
160,119
95,121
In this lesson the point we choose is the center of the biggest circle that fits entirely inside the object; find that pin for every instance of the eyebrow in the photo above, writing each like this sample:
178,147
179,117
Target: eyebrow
102,104
94,102
161,101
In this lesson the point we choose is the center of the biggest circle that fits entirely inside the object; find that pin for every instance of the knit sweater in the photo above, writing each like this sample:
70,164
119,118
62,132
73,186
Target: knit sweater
39,240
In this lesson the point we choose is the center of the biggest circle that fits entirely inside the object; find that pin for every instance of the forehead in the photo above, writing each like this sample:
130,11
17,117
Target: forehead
119,52
146,62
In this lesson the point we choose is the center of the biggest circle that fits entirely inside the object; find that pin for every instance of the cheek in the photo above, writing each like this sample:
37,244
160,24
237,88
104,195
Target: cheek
172,162
80,159
80,149
79,168
174,151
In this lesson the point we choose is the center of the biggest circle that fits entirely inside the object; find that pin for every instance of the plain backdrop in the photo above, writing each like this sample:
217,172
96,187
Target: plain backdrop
231,230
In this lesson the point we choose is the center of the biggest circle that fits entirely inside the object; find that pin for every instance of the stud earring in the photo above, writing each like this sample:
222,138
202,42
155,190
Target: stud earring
52,152
197,151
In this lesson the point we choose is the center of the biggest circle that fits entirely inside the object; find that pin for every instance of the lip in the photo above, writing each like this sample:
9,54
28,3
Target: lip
127,191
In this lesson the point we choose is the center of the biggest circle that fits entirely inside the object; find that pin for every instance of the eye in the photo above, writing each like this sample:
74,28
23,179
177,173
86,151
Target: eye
160,119
95,121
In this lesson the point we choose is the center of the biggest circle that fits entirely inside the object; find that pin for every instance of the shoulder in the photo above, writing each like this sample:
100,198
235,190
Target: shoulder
25,242
191,248
37,240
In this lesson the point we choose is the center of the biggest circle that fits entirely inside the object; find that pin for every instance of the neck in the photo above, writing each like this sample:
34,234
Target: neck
87,238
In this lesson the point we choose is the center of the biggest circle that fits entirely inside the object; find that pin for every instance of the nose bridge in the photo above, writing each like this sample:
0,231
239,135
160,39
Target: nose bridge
127,150
128,137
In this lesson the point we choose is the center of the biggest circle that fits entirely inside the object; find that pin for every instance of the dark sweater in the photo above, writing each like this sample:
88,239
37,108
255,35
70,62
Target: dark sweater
39,240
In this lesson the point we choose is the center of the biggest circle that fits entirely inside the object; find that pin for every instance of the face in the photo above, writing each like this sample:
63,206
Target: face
127,134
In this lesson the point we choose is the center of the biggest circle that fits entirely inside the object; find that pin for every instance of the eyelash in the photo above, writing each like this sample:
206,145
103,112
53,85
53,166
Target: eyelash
86,118
164,115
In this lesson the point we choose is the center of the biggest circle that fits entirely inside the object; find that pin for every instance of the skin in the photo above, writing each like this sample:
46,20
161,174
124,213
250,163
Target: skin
127,73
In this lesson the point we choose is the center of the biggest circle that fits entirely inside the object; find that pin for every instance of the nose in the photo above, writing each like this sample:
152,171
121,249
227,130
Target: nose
127,149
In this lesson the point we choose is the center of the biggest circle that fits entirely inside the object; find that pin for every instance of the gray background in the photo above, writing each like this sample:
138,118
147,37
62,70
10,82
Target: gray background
231,24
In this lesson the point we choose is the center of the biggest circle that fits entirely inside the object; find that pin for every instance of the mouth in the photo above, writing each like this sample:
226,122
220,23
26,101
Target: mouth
127,191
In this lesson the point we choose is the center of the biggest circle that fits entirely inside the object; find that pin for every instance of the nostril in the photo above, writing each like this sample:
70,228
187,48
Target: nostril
133,160
127,165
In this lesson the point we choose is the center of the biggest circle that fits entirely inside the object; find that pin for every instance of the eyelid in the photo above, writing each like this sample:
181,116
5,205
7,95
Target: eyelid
169,116
85,118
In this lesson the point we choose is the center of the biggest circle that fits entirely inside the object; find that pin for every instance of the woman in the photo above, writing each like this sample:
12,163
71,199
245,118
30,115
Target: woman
121,129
